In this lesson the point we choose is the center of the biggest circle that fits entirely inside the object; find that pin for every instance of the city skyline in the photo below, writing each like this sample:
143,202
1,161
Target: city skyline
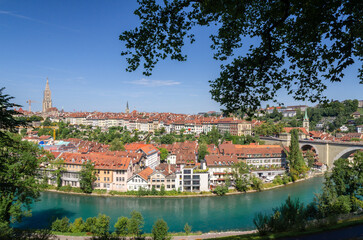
77,47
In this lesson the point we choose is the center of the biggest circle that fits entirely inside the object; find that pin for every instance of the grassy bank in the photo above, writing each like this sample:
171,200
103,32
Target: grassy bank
339,225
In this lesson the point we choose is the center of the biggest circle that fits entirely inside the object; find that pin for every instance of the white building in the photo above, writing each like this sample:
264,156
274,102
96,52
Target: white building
139,180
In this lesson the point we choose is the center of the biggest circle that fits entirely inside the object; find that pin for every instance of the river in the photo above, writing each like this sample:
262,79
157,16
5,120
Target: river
203,214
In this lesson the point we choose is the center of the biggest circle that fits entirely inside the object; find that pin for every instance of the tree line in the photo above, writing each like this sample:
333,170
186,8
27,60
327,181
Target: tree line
342,194
124,227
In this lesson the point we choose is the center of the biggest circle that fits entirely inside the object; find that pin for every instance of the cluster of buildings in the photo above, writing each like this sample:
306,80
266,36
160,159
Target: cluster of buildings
139,166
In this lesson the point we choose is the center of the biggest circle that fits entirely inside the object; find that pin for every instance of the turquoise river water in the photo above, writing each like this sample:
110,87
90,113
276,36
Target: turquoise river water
202,213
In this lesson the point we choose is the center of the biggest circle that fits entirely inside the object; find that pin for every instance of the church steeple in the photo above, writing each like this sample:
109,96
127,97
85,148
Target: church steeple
47,85
306,121
127,107
47,98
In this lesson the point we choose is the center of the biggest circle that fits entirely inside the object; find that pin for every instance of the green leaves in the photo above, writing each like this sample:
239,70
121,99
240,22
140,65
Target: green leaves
160,230
87,177
297,46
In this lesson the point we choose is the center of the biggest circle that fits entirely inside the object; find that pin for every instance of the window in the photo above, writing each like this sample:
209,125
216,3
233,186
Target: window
196,176
104,179
187,171
195,182
187,182
187,177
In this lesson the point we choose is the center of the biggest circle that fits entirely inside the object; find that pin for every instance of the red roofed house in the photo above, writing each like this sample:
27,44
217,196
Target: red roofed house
150,152
139,180
112,172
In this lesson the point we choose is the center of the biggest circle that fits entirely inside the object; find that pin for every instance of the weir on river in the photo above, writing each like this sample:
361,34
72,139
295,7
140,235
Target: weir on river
204,214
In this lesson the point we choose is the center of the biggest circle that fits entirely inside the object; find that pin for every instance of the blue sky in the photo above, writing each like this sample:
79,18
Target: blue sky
75,44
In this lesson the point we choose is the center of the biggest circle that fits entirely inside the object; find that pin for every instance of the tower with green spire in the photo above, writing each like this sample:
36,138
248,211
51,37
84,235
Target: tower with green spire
306,121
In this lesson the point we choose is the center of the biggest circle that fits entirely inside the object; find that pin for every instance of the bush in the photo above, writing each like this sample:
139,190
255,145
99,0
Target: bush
78,226
187,229
278,180
65,188
262,223
290,215
286,179
342,205
121,226
256,183
60,225
136,223
102,224
160,230
90,224
162,190
220,190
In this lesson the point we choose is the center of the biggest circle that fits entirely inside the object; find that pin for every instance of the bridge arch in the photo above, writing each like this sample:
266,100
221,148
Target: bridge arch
346,152
308,146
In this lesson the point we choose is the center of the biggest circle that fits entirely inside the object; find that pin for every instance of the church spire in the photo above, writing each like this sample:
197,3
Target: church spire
306,123
127,107
306,115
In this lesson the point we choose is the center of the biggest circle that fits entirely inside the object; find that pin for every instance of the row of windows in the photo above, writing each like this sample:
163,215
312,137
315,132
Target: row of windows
120,179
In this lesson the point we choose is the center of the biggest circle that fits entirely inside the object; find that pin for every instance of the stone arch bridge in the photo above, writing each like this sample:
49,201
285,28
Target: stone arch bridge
327,151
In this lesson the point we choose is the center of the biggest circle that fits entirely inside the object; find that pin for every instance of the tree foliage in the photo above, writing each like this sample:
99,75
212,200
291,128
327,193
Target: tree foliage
163,154
135,223
295,157
19,161
187,229
87,177
202,151
61,225
343,189
117,145
296,45
121,226
160,230
240,177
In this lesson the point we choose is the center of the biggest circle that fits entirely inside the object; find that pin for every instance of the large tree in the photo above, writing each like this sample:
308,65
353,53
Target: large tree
296,45
19,161
295,157
87,177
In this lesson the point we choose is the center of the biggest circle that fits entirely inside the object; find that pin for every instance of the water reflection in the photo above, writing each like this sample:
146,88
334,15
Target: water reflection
203,214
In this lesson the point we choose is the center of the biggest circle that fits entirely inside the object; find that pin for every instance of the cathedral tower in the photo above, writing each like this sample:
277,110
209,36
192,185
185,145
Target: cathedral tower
127,107
47,99
306,121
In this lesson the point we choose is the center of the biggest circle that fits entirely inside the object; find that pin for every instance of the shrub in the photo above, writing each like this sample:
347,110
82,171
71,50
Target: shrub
262,223
160,230
65,188
256,183
90,224
187,229
162,190
136,223
78,226
60,225
121,226
220,190
102,224
278,180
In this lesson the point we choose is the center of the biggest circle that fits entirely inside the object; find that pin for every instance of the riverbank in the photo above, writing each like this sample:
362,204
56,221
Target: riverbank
341,230
178,194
